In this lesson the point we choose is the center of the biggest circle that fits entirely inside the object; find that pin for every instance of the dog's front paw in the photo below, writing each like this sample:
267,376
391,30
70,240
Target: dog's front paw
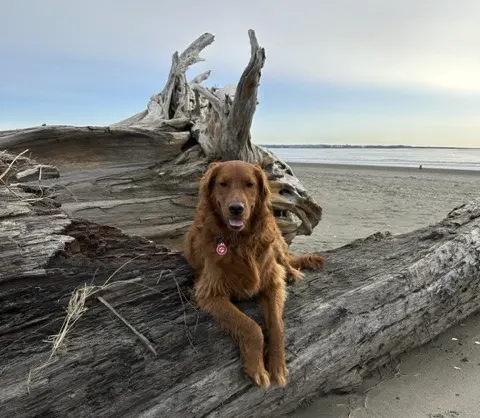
260,376
296,275
278,371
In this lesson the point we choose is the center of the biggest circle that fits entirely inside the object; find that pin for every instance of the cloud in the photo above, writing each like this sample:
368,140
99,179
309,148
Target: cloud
413,44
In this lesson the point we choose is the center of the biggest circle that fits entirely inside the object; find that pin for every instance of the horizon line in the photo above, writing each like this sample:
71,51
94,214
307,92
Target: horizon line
347,145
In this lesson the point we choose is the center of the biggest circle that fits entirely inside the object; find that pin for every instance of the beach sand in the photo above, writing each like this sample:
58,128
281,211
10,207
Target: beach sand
440,379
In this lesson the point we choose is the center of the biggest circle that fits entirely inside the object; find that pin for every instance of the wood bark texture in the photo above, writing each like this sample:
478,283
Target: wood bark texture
141,174
377,298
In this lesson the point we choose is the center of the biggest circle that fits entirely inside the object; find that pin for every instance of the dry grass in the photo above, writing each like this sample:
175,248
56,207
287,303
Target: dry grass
35,188
77,307
183,299
7,170
2,176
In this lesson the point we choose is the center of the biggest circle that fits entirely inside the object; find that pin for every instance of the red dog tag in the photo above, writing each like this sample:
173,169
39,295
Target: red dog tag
221,248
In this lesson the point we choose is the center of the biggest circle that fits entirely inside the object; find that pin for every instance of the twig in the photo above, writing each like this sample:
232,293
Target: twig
142,338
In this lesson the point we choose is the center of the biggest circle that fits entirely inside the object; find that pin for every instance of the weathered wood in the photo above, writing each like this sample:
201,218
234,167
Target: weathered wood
73,147
377,298
141,174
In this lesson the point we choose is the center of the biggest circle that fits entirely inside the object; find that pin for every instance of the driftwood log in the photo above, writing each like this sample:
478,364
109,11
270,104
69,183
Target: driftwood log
141,174
377,298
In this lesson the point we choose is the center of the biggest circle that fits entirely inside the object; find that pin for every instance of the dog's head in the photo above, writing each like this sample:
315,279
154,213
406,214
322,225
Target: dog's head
236,191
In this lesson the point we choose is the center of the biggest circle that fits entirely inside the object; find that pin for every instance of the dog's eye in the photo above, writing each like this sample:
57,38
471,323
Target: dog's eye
250,184
223,184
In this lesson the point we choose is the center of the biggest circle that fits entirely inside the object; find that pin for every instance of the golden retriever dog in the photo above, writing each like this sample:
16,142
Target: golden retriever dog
237,252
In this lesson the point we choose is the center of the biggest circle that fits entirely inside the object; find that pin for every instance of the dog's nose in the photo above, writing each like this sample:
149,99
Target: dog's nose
236,208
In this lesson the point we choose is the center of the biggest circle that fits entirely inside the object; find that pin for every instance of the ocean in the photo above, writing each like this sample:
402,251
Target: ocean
452,159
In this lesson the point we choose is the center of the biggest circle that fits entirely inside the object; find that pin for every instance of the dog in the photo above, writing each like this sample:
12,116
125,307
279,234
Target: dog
237,251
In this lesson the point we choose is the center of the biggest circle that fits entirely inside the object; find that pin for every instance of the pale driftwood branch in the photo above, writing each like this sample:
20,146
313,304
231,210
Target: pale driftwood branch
377,298
191,55
201,77
141,174
236,144
207,94
168,104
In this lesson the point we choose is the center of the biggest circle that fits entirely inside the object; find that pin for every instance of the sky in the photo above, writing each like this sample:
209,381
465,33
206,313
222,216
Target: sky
349,71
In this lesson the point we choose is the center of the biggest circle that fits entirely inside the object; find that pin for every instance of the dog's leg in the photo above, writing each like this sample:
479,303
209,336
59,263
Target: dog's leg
283,258
272,301
245,331
293,273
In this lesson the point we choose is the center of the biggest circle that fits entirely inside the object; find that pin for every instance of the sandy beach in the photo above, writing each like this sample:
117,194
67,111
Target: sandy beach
442,378
358,201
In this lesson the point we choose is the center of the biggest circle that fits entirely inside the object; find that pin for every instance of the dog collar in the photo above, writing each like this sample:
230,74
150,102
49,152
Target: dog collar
220,246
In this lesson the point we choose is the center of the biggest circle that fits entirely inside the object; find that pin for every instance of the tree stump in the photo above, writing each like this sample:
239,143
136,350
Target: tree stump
141,174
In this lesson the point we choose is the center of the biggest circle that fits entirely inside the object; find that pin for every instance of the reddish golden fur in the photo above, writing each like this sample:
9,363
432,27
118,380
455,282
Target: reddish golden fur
257,263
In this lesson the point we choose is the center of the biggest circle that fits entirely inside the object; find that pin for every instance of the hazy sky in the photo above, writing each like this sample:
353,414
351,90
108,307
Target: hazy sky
366,71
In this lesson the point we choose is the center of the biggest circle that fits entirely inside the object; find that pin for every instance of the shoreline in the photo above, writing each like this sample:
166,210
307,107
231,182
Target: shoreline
360,167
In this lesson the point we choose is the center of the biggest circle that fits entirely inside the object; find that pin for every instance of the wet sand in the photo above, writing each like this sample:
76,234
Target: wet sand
442,378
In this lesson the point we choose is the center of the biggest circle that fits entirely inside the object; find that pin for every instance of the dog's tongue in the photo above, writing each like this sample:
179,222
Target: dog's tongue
236,223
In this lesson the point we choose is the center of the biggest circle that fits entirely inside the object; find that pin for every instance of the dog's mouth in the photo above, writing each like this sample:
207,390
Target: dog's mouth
236,224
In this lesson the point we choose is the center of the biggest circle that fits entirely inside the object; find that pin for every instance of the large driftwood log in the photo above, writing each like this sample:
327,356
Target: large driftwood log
377,298
141,174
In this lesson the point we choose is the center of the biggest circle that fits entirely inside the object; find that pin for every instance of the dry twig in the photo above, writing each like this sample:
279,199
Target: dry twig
142,338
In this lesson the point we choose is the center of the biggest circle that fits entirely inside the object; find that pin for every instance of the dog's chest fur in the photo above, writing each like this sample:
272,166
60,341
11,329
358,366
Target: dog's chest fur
246,270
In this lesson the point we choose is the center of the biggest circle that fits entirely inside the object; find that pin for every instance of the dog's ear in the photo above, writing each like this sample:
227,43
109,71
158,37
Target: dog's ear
207,181
264,193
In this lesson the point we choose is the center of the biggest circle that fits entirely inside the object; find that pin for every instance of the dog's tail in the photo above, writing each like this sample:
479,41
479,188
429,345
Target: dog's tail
307,261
